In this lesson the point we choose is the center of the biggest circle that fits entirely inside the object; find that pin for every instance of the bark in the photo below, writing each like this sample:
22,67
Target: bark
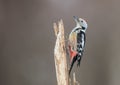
60,54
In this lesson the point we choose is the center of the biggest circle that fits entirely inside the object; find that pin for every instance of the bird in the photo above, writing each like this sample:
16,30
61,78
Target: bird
76,42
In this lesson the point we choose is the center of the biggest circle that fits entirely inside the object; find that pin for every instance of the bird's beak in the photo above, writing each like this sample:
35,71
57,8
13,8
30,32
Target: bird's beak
76,19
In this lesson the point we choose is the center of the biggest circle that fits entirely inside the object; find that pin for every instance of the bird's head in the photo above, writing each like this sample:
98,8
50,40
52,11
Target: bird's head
80,23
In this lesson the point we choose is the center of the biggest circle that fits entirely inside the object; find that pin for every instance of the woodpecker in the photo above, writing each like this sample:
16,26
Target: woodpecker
76,42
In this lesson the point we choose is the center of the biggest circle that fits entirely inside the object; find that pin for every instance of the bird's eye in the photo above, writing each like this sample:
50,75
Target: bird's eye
82,21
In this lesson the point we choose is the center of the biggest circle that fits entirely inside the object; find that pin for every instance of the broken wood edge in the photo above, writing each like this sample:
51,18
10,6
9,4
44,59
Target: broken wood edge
60,56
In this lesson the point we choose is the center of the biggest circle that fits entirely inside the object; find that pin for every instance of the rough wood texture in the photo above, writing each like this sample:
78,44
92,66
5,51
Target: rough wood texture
60,55
74,80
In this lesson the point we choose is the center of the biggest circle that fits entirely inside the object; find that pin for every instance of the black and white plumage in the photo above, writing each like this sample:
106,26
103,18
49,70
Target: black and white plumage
77,39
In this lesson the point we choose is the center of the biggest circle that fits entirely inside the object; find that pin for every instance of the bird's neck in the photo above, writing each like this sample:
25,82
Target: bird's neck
83,29
78,25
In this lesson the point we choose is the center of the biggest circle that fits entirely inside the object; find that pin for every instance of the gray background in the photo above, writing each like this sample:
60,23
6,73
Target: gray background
27,40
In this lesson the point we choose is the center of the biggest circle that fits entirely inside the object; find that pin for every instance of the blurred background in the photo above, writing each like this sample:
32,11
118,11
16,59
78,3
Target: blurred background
27,40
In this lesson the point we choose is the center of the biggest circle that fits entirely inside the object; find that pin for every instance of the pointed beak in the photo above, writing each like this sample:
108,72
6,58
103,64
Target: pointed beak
76,19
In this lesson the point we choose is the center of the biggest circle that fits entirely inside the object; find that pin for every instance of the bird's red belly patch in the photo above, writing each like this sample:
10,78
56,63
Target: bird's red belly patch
72,55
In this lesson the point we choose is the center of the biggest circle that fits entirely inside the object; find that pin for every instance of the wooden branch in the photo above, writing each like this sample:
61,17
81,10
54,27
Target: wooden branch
74,80
60,55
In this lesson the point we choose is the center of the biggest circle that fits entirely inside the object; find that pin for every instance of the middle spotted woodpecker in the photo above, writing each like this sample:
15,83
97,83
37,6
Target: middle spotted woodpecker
76,41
